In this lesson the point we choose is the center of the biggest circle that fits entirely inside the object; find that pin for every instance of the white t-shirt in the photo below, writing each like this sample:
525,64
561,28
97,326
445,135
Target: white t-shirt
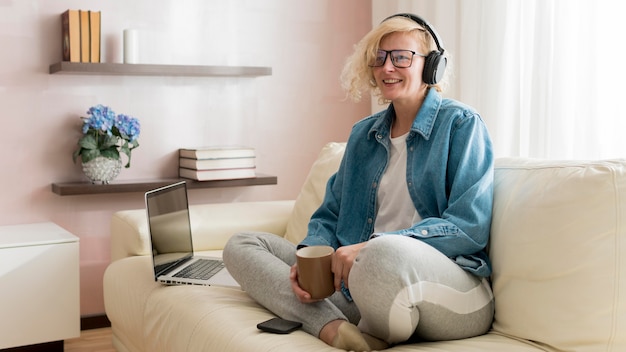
395,207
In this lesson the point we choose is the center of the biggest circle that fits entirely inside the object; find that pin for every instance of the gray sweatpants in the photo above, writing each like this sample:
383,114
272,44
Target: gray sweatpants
401,288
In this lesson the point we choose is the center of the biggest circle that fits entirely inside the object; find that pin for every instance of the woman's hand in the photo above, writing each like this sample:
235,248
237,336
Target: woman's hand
342,263
343,258
302,295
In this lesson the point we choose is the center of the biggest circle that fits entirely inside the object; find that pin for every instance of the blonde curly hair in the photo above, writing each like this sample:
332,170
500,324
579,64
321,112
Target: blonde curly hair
357,76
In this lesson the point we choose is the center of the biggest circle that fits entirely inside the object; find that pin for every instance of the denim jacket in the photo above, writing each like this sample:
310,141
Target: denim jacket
449,176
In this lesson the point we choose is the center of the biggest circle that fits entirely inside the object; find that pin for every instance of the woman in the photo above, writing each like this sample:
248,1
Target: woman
408,212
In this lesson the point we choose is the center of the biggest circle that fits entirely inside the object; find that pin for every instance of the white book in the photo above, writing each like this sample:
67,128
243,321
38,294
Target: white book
217,152
217,164
212,175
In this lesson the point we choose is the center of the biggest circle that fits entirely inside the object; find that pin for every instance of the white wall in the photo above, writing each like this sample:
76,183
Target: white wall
287,116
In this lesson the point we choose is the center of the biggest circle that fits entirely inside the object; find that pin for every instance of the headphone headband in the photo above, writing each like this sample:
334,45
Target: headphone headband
435,62
422,22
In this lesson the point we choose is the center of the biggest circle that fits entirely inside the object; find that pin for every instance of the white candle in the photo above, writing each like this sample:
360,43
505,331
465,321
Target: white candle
131,46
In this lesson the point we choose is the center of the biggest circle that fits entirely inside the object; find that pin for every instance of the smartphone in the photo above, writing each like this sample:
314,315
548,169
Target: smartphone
279,326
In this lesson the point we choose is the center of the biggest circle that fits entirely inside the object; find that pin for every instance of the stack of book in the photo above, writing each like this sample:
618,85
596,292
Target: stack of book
217,163
81,35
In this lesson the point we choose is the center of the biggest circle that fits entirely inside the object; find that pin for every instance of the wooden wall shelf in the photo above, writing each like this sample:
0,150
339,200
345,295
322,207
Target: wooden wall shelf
118,69
84,188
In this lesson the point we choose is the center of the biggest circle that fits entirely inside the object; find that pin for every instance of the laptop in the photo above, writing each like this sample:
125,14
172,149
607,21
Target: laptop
173,258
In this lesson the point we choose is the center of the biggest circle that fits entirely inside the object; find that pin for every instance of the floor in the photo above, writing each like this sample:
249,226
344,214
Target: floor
95,340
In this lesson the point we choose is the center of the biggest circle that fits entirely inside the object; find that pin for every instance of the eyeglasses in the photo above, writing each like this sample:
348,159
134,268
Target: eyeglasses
399,58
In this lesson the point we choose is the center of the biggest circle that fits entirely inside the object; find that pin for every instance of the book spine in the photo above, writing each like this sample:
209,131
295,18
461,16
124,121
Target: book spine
95,36
217,164
65,25
70,21
216,153
212,175
85,40
211,154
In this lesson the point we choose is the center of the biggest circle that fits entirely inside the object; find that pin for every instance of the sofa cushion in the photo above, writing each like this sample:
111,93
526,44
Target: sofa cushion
312,192
147,316
558,246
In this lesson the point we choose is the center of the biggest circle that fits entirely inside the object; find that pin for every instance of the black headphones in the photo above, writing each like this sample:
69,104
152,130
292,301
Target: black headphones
435,63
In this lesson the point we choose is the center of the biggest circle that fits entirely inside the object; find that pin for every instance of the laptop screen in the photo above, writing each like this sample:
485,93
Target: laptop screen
169,226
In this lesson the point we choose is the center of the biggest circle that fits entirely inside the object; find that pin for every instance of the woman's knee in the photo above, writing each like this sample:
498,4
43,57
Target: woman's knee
237,245
245,246
232,248
235,242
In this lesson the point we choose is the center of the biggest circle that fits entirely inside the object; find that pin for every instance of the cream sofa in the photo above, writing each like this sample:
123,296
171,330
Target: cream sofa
558,247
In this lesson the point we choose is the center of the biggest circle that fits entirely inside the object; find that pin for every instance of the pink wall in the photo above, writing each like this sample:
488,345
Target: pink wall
288,116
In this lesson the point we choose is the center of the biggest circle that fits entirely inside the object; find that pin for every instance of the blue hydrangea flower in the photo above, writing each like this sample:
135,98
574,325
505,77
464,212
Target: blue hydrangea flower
100,118
128,127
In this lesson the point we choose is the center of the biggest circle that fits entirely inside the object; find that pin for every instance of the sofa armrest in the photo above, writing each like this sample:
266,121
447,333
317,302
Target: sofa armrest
211,225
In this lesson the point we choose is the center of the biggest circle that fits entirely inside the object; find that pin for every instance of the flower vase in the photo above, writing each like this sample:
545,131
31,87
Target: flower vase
102,169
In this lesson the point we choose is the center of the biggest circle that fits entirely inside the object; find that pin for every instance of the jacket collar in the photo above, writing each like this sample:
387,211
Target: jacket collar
423,122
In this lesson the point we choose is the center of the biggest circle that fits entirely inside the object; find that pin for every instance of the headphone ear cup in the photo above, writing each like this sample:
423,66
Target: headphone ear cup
434,67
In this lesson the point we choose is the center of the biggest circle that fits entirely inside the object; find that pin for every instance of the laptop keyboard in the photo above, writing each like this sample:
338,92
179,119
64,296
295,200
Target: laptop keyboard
201,269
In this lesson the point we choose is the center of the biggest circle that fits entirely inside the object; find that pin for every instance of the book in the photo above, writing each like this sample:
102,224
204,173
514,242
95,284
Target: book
94,36
85,48
70,21
217,152
218,174
217,164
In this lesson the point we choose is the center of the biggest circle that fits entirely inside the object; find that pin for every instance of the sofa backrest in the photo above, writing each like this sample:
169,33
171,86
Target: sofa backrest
558,247
312,192
212,224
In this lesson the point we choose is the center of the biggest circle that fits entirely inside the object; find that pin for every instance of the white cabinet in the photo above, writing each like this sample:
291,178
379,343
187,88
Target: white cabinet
39,284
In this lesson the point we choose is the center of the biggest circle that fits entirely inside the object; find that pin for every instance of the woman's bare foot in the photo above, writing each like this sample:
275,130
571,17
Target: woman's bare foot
342,334
329,331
